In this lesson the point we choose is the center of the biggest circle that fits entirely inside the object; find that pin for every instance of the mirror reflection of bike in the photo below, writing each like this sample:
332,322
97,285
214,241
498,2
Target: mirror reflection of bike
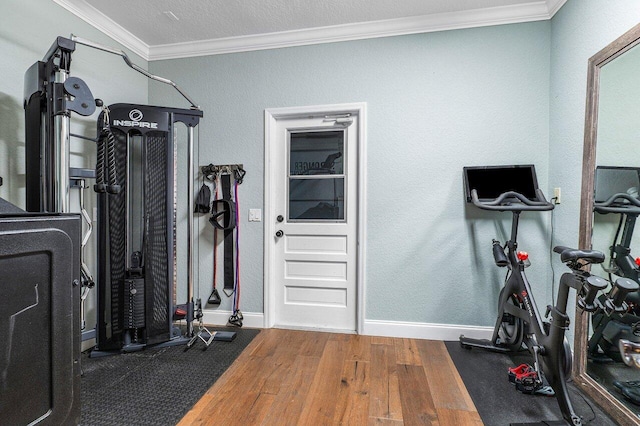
616,192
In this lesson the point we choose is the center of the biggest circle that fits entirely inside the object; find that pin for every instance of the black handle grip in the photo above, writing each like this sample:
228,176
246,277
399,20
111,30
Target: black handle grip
513,201
100,185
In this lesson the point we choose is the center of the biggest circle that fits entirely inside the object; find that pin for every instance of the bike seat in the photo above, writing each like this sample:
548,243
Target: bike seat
568,254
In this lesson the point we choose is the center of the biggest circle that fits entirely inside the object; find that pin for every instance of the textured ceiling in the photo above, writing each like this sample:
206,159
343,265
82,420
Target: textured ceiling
164,29
212,19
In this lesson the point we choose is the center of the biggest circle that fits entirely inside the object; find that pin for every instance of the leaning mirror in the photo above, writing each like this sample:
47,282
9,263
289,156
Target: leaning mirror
610,207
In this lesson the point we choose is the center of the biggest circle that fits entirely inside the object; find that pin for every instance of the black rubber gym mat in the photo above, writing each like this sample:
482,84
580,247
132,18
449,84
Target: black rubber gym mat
484,374
607,374
157,386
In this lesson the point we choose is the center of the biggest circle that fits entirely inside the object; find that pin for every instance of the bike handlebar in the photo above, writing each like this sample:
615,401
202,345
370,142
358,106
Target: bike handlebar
610,206
512,201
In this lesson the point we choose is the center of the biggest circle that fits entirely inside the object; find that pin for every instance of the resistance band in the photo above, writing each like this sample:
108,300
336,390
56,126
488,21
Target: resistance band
214,297
225,217
236,317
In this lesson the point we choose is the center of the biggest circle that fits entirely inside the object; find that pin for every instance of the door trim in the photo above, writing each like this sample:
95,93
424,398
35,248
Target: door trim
271,117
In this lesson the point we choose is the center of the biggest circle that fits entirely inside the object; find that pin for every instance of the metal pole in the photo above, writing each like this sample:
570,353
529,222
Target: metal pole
142,71
127,215
190,233
61,152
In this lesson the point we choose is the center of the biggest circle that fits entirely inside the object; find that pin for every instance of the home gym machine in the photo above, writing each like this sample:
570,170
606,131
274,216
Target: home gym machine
135,178
515,189
616,192
137,226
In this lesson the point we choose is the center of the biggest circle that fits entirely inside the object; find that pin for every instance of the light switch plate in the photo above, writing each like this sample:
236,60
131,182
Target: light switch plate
255,215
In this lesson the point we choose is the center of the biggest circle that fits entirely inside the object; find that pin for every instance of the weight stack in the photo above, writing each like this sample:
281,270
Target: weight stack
133,303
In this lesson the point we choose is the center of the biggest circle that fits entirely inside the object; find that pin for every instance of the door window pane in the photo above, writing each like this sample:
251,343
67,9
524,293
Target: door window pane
316,153
316,175
316,198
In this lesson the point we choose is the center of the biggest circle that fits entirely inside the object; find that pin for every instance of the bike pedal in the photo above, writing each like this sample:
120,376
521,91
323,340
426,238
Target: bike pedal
515,372
527,385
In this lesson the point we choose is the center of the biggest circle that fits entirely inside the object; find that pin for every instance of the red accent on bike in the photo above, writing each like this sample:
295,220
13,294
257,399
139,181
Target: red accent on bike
523,255
638,261
524,293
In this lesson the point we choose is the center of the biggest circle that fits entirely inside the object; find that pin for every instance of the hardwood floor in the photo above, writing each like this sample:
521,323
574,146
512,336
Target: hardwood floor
287,377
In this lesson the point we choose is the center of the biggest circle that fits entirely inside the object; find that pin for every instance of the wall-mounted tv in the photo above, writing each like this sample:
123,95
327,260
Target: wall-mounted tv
491,181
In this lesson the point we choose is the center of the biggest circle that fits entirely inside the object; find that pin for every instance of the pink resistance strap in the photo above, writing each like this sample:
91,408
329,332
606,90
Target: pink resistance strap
236,317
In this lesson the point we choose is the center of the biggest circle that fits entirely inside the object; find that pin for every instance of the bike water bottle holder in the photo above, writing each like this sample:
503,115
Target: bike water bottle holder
499,256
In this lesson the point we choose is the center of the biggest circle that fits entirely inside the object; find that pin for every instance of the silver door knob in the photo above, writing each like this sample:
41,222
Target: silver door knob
279,233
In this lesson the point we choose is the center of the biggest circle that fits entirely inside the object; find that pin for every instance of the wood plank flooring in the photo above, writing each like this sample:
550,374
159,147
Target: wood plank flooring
287,377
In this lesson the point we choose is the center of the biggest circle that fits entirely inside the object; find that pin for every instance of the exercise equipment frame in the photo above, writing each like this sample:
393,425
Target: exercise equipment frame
51,95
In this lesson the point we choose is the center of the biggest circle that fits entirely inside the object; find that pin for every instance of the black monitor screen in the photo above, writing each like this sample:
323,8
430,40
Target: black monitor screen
491,181
615,180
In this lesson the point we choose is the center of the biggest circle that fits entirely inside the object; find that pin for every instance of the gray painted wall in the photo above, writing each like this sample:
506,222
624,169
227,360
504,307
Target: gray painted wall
436,102
578,31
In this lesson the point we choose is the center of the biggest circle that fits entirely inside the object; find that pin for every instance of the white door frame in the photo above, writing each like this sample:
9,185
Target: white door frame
271,116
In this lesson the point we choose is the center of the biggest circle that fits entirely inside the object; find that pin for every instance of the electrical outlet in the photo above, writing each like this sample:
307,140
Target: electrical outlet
556,195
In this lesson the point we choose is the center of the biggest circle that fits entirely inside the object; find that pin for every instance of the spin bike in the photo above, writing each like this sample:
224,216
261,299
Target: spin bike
519,322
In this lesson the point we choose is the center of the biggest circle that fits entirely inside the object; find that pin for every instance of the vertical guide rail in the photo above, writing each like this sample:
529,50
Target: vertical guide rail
190,234
61,142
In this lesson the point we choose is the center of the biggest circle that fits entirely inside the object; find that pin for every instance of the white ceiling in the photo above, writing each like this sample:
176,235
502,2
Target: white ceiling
163,29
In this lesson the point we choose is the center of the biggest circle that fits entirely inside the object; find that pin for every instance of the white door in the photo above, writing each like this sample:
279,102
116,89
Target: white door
313,201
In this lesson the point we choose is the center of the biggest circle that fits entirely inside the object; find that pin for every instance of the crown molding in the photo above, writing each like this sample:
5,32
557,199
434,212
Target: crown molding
527,12
534,11
103,23
554,6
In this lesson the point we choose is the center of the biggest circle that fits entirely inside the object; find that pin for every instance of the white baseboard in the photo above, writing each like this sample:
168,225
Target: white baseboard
216,317
414,330
419,330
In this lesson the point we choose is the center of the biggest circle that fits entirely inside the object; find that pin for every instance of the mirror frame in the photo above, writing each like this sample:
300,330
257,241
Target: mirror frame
598,393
